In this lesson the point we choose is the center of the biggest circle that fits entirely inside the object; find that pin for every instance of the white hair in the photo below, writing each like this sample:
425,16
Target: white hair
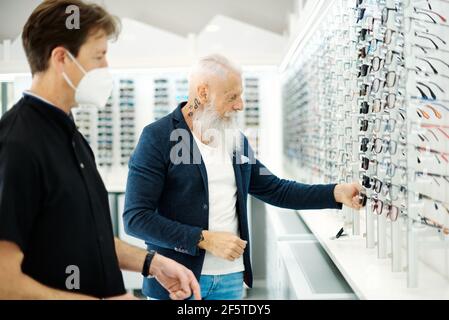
207,122
212,65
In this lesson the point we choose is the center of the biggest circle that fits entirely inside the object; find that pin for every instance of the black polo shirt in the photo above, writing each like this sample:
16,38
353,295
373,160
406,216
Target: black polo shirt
53,203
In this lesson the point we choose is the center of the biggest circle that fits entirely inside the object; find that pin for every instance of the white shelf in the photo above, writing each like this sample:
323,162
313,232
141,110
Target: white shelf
297,266
370,277
311,276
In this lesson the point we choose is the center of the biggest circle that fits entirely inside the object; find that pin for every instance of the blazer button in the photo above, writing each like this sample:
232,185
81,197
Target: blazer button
205,206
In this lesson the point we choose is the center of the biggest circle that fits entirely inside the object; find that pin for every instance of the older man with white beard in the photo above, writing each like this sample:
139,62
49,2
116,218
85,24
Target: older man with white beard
189,179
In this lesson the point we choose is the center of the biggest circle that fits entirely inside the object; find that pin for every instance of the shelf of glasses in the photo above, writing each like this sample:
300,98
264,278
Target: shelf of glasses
127,110
161,104
105,135
181,90
84,122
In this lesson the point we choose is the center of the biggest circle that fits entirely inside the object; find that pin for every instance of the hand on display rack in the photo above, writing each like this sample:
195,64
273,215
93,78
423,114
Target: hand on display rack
348,194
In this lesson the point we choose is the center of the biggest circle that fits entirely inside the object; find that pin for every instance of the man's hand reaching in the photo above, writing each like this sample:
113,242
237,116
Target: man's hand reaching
348,194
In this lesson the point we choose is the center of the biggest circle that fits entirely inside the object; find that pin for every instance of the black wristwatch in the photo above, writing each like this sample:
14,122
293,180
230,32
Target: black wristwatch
147,264
201,237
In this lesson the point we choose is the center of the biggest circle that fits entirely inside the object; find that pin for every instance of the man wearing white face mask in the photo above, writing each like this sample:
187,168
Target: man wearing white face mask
56,239
94,88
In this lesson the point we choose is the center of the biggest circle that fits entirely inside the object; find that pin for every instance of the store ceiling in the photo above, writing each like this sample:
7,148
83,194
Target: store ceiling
178,16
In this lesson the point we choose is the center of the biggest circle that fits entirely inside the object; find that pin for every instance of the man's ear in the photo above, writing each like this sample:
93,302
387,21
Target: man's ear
203,93
58,59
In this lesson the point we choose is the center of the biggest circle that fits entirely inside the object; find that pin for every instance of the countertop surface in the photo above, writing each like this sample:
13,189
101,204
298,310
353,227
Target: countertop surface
370,277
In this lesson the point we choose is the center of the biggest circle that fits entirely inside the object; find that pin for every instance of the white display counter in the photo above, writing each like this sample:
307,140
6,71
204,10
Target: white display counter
369,276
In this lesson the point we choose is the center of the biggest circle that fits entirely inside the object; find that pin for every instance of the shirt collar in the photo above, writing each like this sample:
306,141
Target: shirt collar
29,93
50,108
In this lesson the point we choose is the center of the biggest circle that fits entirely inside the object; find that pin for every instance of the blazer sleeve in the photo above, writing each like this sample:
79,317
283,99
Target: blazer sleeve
147,171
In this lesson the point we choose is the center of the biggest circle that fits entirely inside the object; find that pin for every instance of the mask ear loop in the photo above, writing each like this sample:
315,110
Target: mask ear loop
76,62
70,83
78,65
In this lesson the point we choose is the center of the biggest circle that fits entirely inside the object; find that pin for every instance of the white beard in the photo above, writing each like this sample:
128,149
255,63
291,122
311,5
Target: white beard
216,130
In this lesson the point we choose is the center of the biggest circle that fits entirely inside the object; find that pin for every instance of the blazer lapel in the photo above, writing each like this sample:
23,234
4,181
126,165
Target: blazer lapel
238,178
195,152
196,158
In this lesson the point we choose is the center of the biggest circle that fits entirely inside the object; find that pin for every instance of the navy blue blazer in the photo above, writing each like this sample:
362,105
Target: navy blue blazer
167,203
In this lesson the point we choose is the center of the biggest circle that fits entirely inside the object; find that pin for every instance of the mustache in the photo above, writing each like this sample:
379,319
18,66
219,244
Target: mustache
224,128
231,114
209,113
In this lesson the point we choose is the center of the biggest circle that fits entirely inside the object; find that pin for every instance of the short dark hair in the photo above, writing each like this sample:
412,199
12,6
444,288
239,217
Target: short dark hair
46,29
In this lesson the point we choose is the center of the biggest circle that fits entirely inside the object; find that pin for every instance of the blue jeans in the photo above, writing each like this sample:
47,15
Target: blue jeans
221,287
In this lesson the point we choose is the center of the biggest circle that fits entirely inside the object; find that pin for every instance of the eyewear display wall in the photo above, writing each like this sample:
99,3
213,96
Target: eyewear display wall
162,103
368,99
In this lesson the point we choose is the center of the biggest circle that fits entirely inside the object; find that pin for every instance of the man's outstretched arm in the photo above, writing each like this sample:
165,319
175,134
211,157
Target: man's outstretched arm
298,196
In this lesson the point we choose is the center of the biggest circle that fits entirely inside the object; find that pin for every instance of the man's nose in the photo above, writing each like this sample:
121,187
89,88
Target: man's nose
238,107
